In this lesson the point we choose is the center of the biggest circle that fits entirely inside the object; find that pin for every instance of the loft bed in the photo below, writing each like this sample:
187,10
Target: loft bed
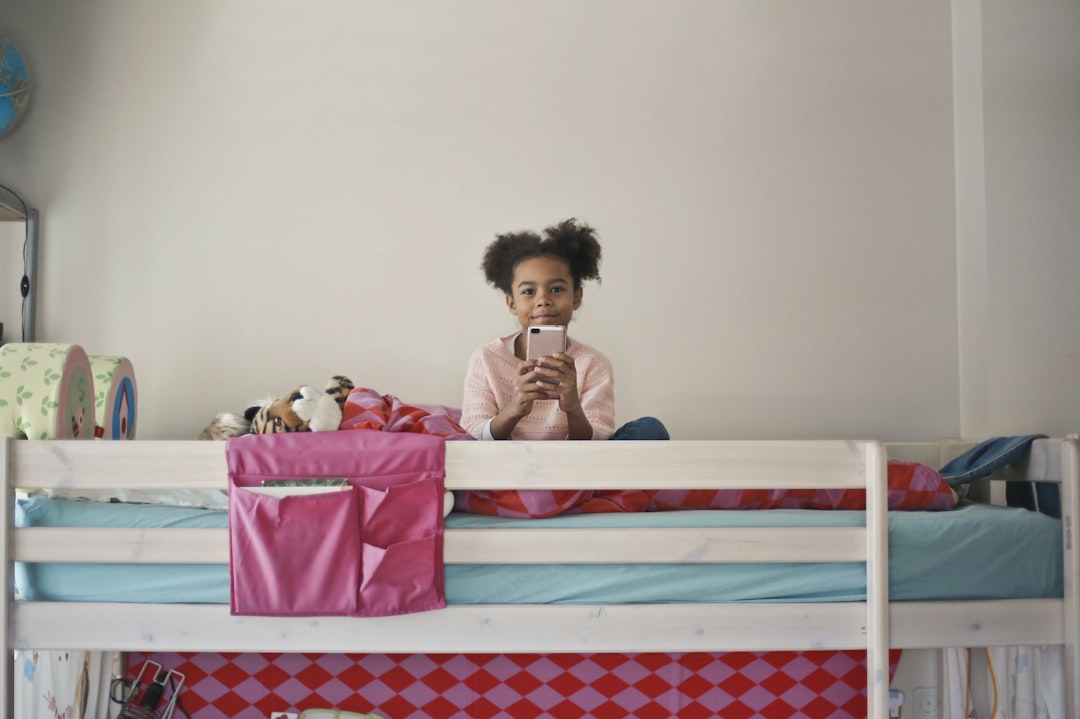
873,621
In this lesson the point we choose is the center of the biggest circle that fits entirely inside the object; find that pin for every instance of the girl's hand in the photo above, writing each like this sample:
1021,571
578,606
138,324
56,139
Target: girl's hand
556,377
527,389
521,403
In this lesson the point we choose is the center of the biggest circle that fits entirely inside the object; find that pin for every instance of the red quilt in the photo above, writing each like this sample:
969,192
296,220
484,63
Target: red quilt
912,486
365,408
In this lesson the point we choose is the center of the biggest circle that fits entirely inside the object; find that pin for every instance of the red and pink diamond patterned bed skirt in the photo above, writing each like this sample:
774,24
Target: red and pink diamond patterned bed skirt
732,685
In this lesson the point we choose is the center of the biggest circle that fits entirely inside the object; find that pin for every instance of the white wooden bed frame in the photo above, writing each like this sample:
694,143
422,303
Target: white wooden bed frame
874,625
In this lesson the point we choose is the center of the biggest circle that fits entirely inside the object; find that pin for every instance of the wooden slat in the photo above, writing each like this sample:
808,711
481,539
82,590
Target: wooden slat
151,464
932,454
1006,622
142,464
473,546
651,465
456,629
500,628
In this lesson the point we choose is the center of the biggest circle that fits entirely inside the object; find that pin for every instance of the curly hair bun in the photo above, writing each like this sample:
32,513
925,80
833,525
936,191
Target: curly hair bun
569,240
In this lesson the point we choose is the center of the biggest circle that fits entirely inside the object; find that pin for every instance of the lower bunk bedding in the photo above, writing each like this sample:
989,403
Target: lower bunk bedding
638,647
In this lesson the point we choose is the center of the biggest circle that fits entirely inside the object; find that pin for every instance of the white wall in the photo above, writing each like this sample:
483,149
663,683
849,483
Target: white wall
1018,239
241,196
1017,114
1032,100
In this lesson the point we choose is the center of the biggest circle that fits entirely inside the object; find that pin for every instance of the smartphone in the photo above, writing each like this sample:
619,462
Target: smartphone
545,341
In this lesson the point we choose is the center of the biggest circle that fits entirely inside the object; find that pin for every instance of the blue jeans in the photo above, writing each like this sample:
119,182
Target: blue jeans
643,428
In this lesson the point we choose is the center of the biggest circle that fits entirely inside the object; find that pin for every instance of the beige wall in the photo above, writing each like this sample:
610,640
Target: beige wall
1032,129
1017,103
241,196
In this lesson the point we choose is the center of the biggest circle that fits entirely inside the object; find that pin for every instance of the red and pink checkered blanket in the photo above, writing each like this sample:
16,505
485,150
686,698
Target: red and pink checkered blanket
912,486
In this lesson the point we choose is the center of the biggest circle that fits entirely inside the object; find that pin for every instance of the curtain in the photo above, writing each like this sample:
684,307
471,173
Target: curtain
62,684
1003,683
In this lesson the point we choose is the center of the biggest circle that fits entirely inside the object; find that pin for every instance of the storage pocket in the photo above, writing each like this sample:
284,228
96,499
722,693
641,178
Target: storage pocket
401,567
401,578
295,555
400,512
371,550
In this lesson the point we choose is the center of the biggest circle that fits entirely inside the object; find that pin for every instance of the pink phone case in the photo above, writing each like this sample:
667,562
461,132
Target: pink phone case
545,341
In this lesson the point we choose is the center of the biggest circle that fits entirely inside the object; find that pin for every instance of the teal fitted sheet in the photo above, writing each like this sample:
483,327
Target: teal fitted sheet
973,552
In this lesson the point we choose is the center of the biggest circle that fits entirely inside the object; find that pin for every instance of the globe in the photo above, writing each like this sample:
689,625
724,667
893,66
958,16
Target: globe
14,85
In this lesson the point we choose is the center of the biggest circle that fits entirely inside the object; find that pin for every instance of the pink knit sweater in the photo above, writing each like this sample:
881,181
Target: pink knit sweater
489,384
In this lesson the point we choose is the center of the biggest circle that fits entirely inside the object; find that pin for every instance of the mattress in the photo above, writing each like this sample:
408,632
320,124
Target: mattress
973,552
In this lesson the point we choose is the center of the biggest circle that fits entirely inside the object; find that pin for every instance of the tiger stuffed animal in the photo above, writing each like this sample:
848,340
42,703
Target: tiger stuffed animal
304,409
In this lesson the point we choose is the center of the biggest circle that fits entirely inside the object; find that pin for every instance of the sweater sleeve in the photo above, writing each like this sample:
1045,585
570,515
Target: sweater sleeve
480,402
598,395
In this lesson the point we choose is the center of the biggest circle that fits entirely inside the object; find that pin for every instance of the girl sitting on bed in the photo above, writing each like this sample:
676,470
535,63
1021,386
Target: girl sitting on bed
508,396
570,395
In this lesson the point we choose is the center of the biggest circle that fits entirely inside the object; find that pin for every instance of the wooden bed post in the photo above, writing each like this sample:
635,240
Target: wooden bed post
877,582
7,508
1070,515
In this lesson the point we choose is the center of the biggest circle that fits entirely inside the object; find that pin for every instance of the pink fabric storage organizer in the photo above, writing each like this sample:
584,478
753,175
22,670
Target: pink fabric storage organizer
375,549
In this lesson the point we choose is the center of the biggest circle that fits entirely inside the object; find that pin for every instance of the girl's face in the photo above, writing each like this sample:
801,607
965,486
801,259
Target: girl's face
543,292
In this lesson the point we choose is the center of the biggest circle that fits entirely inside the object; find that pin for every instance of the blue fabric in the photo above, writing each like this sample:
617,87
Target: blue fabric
993,454
643,428
1036,496
987,457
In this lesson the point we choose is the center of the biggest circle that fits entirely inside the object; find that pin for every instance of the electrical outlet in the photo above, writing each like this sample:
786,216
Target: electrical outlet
926,703
284,715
